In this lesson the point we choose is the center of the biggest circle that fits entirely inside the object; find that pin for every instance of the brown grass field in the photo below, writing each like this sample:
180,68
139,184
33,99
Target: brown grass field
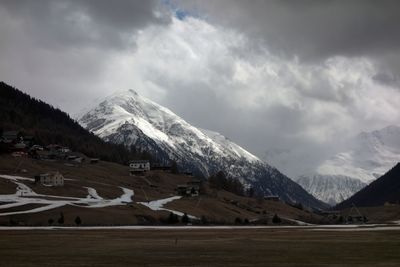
234,247
106,177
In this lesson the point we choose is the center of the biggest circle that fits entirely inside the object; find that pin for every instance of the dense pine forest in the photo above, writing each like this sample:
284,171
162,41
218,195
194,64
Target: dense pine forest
49,125
384,190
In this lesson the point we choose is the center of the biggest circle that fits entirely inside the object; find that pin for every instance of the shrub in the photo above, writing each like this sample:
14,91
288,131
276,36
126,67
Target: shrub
204,220
78,220
61,219
276,219
185,218
238,220
172,218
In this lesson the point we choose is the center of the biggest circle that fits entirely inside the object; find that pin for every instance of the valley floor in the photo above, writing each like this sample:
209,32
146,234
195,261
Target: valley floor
200,247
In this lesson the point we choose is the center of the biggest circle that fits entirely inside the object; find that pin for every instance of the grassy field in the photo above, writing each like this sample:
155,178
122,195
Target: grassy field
106,177
239,247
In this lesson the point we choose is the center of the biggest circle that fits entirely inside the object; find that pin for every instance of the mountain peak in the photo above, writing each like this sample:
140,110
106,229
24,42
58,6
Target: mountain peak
128,94
368,156
130,119
132,91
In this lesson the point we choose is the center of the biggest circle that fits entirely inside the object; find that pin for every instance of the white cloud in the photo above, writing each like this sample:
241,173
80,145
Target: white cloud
212,77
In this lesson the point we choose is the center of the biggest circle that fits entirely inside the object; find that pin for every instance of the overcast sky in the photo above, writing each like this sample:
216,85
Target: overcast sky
287,80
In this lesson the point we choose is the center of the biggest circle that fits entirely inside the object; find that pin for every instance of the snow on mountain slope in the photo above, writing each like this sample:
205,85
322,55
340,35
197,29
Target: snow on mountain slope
130,119
331,189
369,156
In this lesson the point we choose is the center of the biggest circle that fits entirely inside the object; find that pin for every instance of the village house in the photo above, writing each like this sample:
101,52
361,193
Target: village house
139,166
191,188
64,150
20,146
9,136
50,179
55,152
161,167
94,161
272,198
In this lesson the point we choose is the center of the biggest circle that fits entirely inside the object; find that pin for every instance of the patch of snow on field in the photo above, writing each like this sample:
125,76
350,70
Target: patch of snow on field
44,208
93,193
16,178
25,195
127,196
158,205
297,222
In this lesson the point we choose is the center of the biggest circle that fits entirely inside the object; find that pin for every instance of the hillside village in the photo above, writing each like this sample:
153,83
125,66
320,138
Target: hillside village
56,172
19,145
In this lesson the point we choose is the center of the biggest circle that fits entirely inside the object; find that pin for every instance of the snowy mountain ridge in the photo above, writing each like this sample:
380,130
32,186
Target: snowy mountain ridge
331,189
369,155
130,119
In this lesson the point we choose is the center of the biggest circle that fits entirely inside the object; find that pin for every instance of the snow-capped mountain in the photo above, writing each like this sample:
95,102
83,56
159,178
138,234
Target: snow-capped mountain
130,119
369,156
331,189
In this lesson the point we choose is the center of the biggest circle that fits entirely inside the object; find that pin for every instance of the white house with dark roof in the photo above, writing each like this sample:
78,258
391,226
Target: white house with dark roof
139,166
50,179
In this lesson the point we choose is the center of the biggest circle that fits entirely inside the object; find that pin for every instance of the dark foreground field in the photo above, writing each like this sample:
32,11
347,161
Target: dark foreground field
239,247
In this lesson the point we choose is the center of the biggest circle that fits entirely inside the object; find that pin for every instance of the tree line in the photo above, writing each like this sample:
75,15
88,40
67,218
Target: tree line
50,125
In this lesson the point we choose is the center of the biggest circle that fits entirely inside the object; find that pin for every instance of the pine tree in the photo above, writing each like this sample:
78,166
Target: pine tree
61,219
185,218
78,221
174,167
276,219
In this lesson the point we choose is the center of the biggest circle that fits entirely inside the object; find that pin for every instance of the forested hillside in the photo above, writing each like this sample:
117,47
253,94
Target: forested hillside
386,189
49,125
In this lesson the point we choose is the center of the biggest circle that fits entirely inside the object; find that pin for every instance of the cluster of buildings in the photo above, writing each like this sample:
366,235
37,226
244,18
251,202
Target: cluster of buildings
191,188
139,166
14,141
21,145
53,178
142,166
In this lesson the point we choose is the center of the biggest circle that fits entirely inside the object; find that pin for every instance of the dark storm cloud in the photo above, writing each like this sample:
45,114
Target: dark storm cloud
222,79
57,49
60,24
287,76
313,30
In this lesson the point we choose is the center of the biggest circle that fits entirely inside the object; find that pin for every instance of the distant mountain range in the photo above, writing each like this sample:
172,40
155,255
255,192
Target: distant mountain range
369,155
133,120
383,190
330,188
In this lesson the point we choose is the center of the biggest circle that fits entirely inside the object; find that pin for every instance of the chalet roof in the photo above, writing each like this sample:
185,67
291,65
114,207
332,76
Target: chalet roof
139,161
9,133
